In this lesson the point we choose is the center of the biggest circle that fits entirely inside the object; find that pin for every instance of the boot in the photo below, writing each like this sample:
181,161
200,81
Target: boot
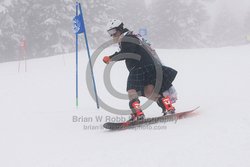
166,104
137,113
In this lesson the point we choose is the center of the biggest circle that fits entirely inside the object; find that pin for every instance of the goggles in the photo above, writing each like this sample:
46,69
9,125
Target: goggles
112,32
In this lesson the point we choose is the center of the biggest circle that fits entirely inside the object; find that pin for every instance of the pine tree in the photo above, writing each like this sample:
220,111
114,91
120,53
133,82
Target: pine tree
177,23
8,37
46,26
227,29
96,15
247,27
99,12
50,27
133,13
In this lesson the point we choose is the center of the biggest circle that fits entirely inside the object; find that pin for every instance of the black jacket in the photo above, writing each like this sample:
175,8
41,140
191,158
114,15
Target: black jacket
133,51
136,54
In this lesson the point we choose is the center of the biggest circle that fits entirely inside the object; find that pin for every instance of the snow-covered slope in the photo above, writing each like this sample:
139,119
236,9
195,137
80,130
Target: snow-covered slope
38,125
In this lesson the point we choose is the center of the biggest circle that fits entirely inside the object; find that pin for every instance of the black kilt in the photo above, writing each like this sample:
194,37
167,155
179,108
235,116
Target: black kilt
169,75
139,77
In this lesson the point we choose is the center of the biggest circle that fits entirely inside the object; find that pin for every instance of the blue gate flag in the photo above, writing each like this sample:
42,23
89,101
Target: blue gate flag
78,23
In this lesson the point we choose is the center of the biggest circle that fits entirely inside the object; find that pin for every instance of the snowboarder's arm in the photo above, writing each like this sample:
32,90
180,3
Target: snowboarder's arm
128,45
106,59
126,49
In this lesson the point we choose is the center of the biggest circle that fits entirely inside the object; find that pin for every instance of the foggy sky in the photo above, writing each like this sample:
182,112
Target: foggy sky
238,8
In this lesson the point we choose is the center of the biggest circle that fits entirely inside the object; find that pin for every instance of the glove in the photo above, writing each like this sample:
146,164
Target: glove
106,59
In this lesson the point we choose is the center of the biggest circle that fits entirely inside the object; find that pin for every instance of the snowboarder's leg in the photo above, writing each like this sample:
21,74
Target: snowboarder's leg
171,92
166,101
166,104
149,92
135,106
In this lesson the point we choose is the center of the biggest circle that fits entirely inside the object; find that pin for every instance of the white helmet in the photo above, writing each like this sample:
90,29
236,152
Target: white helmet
115,23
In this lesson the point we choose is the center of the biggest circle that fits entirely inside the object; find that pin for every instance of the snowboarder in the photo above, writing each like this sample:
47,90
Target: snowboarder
142,64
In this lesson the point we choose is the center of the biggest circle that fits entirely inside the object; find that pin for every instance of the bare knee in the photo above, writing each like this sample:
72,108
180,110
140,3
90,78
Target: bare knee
149,92
132,94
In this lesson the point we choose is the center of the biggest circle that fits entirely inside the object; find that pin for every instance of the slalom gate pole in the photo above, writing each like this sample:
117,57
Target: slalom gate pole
90,63
77,60
79,27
